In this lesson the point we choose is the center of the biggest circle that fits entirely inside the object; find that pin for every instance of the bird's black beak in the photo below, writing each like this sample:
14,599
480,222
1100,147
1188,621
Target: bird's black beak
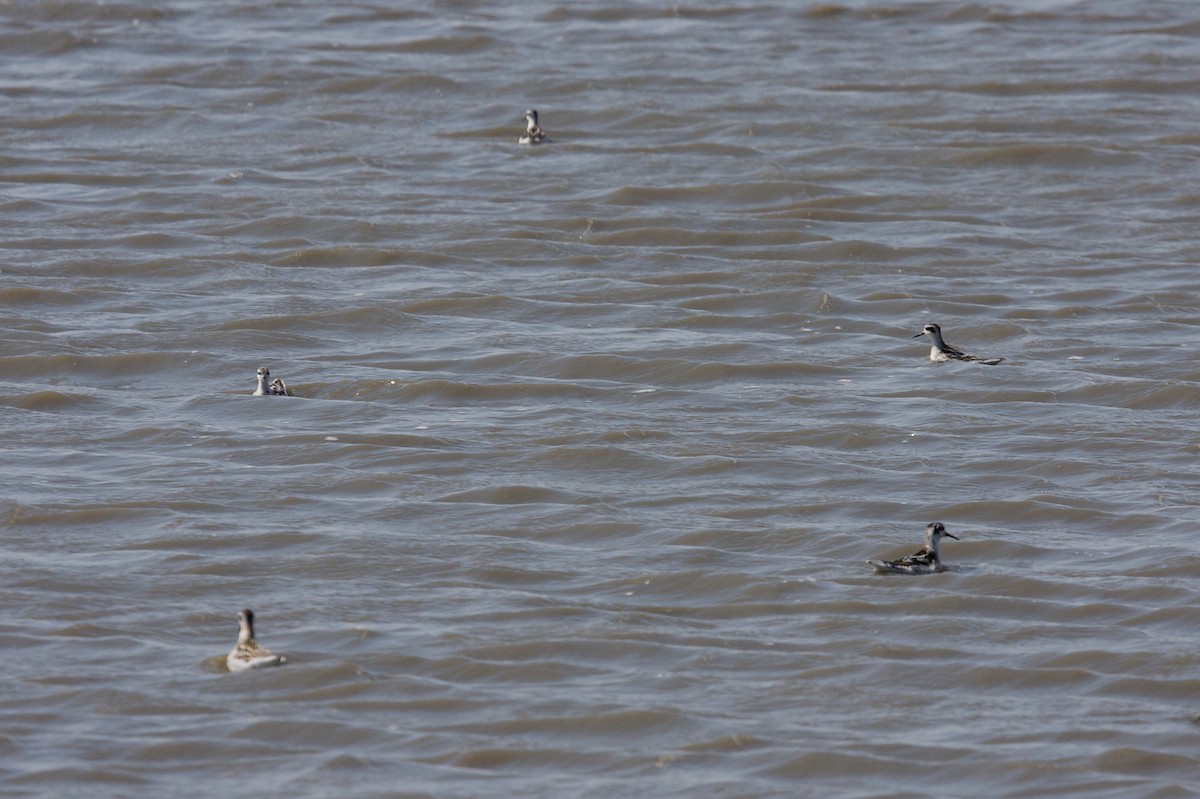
952,535
919,334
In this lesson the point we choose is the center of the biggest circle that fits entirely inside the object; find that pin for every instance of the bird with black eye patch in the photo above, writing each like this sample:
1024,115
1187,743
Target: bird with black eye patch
941,351
926,561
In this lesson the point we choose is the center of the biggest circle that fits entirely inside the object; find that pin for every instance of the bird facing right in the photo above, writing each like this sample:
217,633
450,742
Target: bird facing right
926,561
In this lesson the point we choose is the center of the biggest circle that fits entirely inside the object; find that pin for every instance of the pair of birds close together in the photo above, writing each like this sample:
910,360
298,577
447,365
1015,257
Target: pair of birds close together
248,654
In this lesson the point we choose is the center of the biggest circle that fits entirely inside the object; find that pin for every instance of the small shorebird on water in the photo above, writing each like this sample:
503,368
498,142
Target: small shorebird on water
533,134
275,388
927,561
247,654
941,351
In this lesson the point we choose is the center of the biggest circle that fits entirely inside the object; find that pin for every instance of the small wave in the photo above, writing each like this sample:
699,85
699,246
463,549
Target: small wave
517,495
1061,156
54,402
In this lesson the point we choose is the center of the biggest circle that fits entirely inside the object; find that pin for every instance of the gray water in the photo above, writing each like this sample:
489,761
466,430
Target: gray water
591,440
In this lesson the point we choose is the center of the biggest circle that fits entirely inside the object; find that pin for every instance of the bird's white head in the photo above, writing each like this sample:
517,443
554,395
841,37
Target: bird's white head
930,329
936,531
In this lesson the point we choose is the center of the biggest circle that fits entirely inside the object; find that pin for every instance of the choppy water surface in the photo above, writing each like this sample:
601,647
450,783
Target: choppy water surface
591,441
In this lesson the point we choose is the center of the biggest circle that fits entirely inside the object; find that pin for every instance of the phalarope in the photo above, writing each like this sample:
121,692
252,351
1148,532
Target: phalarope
533,134
926,561
275,388
247,654
941,351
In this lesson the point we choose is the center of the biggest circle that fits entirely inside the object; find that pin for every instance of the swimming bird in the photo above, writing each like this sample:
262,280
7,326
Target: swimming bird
247,654
941,351
533,134
927,561
276,387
